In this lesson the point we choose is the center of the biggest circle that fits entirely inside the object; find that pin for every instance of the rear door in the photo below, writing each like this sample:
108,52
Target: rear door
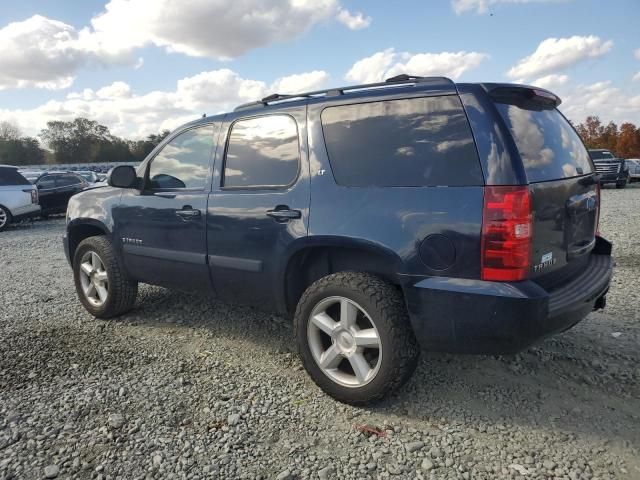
259,204
565,200
66,186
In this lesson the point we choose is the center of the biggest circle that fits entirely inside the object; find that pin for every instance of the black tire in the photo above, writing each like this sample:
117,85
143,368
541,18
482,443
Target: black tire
385,306
620,185
122,291
6,215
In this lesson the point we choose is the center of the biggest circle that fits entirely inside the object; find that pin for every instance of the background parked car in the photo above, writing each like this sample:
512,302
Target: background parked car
634,169
18,197
610,168
56,188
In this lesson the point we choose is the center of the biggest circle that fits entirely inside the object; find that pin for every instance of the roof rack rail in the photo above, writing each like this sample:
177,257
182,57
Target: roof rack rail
334,92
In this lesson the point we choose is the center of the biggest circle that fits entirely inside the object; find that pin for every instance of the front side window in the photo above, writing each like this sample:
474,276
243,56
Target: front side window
184,161
262,152
401,143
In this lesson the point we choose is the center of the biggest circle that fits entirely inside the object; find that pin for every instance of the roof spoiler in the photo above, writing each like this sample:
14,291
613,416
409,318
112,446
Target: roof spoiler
523,95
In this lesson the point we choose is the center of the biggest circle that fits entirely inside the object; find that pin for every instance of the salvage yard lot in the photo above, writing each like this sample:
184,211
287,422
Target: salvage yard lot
187,387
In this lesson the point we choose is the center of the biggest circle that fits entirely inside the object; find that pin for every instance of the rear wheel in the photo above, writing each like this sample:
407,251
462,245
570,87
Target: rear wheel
5,218
101,283
354,337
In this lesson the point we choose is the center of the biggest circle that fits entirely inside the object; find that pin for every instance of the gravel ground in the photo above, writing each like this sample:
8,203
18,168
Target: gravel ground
184,387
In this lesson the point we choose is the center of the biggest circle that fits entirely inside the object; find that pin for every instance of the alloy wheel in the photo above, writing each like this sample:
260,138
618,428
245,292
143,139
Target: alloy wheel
344,341
94,279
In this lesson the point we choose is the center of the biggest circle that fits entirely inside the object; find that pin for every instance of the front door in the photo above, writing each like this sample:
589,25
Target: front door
161,228
259,205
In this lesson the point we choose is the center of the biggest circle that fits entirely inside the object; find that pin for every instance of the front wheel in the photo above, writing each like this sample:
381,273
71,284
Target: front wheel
101,283
354,337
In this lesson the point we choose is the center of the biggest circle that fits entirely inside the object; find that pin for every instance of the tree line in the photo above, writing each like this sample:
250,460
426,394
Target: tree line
77,141
86,141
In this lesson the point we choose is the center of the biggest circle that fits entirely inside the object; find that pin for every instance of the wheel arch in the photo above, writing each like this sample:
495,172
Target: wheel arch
323,256
79,230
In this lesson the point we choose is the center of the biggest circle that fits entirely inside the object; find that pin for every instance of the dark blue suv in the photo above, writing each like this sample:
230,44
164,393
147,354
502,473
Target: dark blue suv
411,213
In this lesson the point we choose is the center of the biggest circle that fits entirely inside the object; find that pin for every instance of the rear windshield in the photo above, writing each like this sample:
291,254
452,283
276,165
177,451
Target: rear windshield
550,148
11,176
601,155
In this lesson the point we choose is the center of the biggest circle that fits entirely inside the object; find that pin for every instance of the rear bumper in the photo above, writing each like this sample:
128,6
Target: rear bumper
28,211
474,316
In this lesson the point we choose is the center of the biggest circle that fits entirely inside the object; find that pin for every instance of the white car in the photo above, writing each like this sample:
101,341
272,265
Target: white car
634,169
18,197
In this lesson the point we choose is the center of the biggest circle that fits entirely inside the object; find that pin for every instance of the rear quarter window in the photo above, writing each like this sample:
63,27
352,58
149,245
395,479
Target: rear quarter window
549,147
401,143
11,176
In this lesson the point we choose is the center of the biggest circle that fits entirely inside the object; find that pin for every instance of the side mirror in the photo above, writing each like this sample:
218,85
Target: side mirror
122,176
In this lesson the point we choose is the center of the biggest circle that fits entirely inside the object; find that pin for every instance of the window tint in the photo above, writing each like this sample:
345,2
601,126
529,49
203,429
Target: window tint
549,147
47,182
262,151
395,143
11,176
67,180
184,161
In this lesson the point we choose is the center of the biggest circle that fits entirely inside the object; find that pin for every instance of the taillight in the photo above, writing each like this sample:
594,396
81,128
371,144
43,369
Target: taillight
34,196
506,233
598,207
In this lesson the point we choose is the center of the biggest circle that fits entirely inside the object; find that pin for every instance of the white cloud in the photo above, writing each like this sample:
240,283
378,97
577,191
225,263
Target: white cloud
602,99
555,54
388,63
135,115
637,54
44,53
303,82
200,28
551,81
482,6
353,21
636,77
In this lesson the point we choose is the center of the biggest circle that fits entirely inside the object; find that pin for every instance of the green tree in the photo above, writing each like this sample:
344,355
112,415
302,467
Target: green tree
76,141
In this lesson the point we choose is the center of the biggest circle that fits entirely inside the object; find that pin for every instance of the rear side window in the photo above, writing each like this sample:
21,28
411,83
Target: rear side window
11,176
68,180
401,143
262,152
47,182
549,147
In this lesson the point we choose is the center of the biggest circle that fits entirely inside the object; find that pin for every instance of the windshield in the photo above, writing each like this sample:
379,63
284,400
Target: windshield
550,148
601,155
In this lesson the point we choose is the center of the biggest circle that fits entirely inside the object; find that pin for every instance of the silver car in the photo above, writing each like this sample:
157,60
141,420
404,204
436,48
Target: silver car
634,169
18,197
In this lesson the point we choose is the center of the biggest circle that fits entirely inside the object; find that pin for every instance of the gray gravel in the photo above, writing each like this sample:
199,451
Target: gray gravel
185,387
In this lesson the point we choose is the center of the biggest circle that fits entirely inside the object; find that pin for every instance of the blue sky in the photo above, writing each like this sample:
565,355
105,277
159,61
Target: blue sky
57,57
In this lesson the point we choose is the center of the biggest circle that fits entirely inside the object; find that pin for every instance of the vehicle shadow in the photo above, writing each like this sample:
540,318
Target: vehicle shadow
583,381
